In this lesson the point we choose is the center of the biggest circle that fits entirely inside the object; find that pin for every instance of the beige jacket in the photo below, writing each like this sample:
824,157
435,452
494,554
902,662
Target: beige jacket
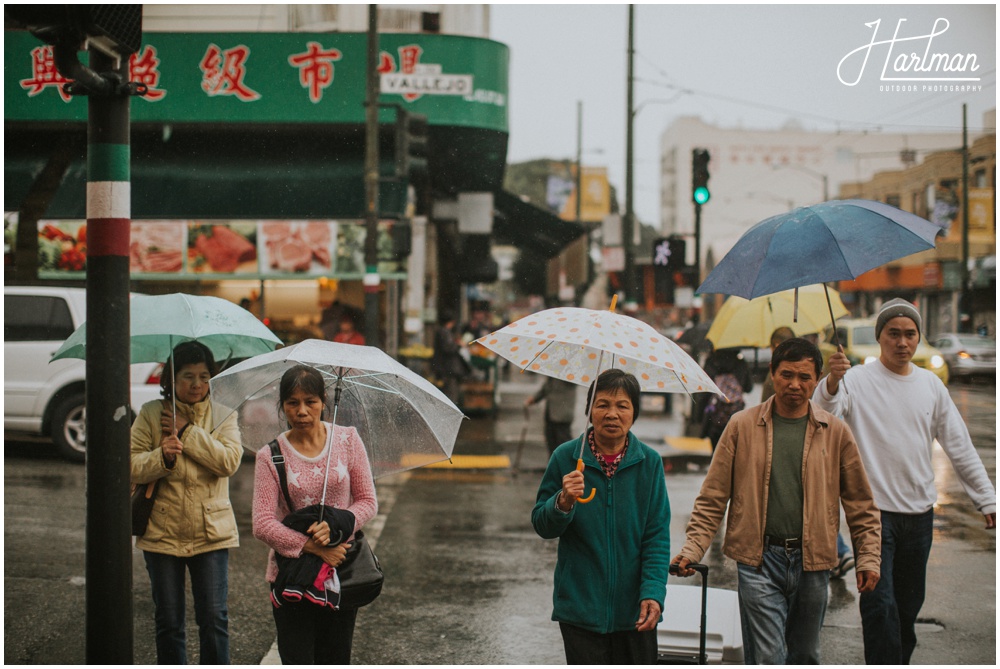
832,473
192,513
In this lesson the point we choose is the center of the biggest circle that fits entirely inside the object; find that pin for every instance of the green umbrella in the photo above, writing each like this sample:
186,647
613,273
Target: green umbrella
158,323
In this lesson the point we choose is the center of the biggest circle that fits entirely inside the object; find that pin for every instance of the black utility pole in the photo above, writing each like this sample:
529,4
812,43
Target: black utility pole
628,223
965,299
371,280
108,533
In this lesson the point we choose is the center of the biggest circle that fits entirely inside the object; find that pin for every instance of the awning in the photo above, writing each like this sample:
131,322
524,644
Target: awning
531,228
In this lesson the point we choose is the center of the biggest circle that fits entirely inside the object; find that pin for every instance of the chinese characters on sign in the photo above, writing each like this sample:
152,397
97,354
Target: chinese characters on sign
224,72
143,68
315,68
228,71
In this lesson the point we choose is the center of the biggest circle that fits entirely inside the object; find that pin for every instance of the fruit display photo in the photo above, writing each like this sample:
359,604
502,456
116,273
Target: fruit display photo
62,246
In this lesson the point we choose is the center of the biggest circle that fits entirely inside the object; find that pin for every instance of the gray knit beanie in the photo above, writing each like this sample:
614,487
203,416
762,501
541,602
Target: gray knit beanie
893,308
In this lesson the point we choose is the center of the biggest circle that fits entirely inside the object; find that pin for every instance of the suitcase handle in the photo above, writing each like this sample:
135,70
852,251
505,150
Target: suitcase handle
698,567
703,570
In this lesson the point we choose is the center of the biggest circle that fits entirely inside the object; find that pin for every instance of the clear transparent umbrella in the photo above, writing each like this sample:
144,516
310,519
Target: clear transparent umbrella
403,419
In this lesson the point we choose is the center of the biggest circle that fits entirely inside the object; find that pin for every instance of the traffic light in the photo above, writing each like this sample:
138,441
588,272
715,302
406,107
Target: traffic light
699,176
411,143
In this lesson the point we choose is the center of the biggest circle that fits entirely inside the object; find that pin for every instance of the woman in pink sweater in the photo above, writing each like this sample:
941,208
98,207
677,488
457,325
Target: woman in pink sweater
308,633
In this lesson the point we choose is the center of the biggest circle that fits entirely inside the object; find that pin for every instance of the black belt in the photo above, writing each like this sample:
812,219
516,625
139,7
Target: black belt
787,544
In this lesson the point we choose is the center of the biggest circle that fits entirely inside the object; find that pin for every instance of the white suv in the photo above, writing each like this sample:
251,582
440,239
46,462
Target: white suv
49,399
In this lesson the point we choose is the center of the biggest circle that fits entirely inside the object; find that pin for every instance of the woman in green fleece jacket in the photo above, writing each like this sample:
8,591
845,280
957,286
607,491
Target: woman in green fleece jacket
614,551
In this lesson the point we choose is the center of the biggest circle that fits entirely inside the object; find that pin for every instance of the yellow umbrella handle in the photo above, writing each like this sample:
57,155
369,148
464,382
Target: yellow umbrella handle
593,491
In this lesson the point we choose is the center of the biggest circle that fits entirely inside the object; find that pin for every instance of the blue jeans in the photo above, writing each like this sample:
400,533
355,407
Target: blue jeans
889,613
210,589
781,609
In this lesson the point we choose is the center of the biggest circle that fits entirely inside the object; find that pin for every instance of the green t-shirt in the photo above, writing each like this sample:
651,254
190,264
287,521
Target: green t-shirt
784,495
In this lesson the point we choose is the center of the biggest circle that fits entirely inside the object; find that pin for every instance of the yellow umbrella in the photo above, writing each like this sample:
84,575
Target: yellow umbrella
744,323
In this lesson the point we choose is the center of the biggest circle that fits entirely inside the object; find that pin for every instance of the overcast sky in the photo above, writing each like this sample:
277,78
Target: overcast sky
756,66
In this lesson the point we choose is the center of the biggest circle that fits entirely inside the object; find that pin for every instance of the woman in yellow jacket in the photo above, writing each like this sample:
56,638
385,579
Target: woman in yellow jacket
192,526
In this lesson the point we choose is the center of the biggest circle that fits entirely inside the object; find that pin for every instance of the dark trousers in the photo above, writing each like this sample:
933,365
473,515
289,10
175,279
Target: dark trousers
556,434
210,589
313,634
586,647
889,613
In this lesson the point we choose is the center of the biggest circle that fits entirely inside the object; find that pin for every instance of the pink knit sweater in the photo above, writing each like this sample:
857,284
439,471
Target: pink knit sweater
350,487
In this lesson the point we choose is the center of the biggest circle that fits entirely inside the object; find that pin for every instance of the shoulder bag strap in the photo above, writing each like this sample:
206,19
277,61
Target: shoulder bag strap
278,460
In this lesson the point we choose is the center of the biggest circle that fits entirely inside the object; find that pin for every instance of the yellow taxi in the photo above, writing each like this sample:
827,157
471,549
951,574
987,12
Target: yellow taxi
857,336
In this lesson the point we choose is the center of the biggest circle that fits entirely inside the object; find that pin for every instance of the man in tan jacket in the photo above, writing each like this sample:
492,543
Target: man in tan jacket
783,467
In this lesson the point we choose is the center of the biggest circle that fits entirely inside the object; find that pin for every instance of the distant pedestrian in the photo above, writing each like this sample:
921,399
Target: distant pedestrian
780,468
731,374
897,411
611,573
348,331
560,407
447,363
192,526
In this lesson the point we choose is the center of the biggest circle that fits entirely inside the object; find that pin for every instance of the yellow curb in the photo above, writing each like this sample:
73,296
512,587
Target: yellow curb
690,444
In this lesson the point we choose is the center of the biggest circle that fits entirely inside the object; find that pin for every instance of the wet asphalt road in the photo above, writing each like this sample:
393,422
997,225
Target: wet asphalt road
467,580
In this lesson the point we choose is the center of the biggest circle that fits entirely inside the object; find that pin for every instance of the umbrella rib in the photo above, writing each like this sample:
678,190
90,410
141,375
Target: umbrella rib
538,354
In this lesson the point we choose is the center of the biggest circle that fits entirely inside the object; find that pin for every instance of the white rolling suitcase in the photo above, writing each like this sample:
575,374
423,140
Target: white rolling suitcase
682,640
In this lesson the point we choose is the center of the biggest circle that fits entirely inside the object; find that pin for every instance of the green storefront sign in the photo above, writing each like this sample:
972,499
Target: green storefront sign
278,78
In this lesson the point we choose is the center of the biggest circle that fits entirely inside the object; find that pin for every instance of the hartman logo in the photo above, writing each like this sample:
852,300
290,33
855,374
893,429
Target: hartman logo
912,61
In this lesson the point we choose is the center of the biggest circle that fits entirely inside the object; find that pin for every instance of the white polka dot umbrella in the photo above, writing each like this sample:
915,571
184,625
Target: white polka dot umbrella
576,345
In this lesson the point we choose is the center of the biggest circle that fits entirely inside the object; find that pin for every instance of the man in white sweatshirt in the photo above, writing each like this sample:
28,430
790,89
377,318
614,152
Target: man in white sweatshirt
896,411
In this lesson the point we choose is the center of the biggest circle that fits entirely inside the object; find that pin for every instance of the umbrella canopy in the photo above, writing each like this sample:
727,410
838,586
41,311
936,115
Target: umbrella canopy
831,241
158,323
576,344
749,323
403,419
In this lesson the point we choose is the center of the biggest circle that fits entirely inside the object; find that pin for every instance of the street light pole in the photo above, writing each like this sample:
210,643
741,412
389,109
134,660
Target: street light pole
628,224
965,300
371,280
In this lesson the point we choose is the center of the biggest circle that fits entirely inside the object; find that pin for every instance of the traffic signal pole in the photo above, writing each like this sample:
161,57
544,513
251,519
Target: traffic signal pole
697,241
108,533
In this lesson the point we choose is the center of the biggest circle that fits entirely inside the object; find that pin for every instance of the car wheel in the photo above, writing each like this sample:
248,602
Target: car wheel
69,427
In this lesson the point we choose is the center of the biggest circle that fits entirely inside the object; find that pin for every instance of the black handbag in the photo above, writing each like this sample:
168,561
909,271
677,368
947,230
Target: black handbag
143,497
360,573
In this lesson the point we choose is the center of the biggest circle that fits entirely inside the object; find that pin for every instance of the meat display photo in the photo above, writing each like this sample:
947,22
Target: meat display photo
297,247
222,248
157,247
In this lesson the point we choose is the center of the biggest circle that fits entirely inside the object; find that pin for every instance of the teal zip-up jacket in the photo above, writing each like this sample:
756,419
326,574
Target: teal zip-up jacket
615,550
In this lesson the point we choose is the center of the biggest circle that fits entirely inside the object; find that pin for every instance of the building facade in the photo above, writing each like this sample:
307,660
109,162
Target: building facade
933,279
756,174
254,124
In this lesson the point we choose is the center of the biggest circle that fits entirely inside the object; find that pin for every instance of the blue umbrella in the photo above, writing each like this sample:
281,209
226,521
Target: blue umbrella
832,241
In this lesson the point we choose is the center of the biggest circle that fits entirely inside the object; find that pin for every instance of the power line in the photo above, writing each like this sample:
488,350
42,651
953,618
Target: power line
861,125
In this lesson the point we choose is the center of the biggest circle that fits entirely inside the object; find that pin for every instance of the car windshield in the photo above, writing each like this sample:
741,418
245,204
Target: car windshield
977,342
864,336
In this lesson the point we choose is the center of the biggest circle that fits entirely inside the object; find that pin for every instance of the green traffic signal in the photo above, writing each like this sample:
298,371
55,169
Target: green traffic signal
701,195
